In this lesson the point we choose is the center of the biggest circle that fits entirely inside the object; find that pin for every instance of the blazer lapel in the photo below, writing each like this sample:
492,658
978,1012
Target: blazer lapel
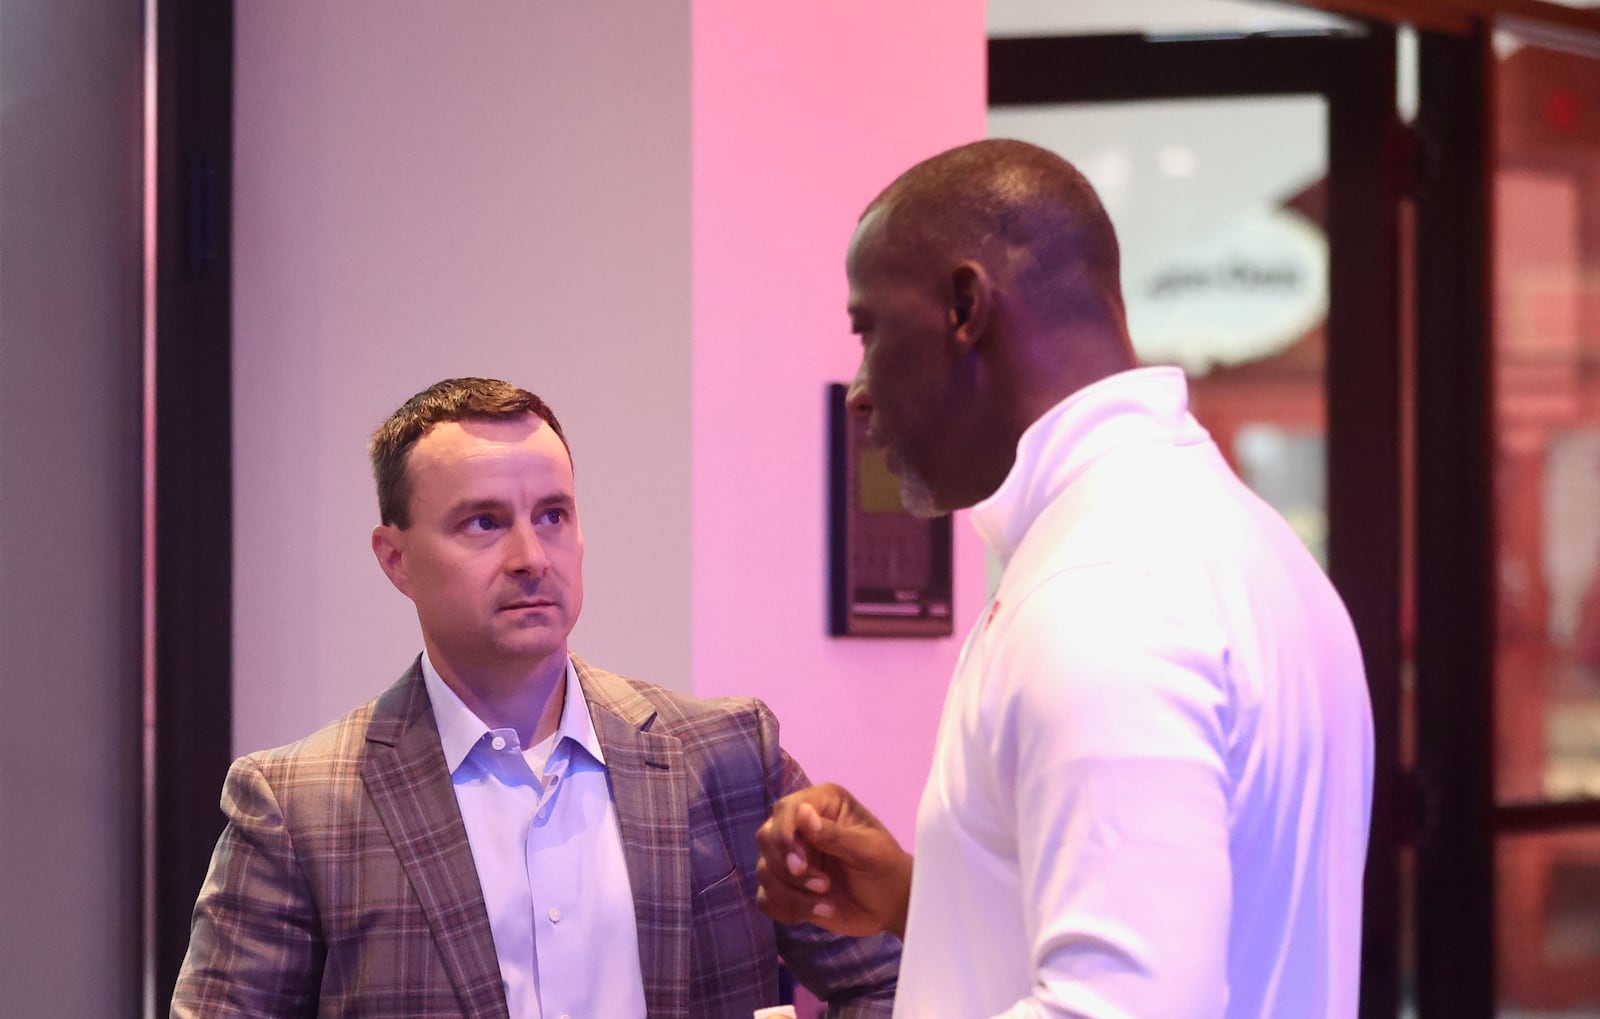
410,786
649,788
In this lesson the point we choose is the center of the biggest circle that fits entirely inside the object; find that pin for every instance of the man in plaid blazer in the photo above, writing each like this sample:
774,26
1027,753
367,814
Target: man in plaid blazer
346,882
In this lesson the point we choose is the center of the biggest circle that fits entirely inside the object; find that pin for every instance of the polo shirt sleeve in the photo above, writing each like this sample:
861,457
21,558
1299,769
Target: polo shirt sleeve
1107,713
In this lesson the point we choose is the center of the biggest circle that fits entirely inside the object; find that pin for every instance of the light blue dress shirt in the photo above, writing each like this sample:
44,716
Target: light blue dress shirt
549,857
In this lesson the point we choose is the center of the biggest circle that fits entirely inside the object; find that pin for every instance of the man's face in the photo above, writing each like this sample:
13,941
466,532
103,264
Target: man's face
905,370
493,557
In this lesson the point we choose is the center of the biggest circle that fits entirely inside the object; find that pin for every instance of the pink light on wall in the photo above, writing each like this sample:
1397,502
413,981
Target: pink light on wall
801,114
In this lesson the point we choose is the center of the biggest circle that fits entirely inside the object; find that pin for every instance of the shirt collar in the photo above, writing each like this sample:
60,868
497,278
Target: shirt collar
1130,407
460,728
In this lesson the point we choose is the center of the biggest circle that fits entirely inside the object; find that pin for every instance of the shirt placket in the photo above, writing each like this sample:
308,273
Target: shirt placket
553,908
516,784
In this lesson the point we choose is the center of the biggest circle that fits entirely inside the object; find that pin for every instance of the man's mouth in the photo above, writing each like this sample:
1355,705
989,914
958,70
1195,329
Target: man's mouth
527,603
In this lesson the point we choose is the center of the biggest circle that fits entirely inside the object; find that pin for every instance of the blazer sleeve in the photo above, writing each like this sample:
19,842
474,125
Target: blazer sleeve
854,977
254,943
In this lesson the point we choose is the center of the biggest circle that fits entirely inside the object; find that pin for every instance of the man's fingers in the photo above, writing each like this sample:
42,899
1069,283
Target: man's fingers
820,852
784,903
851,844
779,849
774,870
784,906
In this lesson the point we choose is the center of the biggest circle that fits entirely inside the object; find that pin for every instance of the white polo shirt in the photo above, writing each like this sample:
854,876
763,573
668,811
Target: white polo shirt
1151,788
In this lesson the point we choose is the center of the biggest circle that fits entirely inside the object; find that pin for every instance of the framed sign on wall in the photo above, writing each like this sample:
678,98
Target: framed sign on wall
889,572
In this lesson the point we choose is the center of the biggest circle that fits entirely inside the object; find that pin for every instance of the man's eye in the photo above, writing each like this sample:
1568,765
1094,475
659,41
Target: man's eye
553,516
482,522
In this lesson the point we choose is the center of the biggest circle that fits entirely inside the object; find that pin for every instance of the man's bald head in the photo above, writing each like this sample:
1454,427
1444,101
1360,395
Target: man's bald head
1023,211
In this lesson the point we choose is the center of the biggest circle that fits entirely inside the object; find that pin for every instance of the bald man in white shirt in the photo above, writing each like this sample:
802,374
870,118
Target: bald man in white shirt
1151,788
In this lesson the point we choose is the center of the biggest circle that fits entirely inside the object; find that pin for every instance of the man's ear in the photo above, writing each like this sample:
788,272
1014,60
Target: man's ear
388,544
971,303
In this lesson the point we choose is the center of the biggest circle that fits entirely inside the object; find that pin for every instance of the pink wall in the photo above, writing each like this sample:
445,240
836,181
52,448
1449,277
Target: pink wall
802,112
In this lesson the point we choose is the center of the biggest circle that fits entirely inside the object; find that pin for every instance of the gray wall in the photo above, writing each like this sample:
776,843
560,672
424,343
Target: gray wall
70,90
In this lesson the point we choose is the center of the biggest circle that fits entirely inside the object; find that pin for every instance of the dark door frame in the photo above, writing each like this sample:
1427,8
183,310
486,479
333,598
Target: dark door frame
1454,534
1355,72
189,571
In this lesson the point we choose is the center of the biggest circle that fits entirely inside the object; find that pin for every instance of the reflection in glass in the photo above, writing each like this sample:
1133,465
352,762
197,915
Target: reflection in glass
1155,17
1288,468
1219,207
1547,423
1548,925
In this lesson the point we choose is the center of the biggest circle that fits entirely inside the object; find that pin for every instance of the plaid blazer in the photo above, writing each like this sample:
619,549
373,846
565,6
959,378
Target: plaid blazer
344,885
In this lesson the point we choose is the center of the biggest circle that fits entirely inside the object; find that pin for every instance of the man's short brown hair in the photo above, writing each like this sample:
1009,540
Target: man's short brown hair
451,400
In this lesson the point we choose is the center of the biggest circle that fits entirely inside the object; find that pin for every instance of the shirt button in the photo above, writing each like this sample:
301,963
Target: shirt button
499,743
555,915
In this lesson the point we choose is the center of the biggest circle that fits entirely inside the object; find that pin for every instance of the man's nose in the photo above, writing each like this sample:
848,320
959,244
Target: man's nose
524,551
856,399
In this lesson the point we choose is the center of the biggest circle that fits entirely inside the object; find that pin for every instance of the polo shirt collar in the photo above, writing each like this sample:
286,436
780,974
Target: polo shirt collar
1135,406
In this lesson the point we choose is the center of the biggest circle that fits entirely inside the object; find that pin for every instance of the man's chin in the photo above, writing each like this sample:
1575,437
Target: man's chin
918,499
924,510
532,658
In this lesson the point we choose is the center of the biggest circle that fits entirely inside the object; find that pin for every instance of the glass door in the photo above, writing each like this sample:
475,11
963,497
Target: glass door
1507,470
1545,340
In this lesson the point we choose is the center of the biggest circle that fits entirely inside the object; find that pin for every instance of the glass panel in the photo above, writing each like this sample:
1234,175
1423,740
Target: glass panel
1009,18
1547,890
1218,205
1547,422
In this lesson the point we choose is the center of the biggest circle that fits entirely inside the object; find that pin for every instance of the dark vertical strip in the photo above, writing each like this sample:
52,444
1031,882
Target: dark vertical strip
1364,455
193,448
838,511
1454,539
